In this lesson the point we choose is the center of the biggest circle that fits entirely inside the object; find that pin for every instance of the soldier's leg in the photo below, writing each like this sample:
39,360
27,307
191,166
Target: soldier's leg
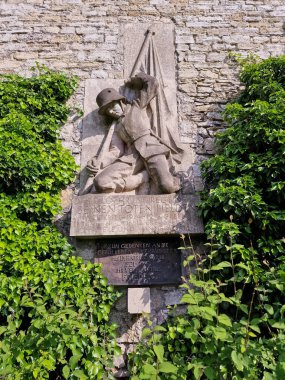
159,172
119,177
134,181
111,179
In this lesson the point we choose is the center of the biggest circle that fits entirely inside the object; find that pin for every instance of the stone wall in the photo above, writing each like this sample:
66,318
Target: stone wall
82,37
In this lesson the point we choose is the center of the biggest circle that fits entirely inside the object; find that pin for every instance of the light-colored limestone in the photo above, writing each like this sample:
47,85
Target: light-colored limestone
98,215
138,300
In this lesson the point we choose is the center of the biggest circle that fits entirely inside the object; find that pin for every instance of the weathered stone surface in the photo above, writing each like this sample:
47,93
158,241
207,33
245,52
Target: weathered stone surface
93,126
119,361
173,297
97,215
66,197
121,373
138,300
134,35
151,45
130,142
140,261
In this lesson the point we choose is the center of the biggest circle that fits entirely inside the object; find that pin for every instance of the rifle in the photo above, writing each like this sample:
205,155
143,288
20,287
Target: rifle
99,160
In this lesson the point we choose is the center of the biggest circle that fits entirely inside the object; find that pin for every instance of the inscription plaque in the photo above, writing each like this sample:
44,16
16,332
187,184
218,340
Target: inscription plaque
96,215
140,261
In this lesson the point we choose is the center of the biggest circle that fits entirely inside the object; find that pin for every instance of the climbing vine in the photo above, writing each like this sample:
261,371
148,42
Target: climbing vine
53,308
234,324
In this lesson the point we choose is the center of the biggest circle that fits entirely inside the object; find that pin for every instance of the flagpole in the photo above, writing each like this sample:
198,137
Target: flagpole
142,51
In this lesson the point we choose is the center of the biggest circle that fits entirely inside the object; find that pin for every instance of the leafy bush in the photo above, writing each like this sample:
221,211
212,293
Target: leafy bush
54,308
234,324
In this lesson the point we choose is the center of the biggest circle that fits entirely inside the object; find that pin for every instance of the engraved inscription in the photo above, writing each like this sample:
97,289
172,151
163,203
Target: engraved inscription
99,215
144,261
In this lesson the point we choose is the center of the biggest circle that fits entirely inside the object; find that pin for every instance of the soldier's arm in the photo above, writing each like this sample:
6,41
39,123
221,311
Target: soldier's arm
117,148
147,86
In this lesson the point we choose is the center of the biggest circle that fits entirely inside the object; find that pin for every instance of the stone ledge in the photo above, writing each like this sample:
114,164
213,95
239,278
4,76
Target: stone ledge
97,215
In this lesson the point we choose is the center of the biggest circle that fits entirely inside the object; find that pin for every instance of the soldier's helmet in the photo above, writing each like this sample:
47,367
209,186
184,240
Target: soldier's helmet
107,96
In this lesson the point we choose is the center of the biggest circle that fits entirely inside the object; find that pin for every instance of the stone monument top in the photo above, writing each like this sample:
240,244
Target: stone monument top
133,164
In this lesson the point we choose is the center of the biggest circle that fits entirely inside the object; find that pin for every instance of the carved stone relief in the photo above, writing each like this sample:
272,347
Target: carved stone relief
133,156
140,152
135,173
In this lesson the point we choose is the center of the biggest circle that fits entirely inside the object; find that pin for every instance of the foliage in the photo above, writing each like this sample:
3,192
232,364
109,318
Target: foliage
234,324
54,308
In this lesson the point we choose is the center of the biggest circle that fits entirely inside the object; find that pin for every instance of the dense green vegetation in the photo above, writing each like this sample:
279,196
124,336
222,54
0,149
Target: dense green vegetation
234,325
53,308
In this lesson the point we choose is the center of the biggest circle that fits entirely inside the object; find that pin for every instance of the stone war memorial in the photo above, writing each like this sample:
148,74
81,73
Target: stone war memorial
136,195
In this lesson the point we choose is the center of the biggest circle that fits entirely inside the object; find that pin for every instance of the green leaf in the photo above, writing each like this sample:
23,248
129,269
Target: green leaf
80,374
166,367
237,359
66,371
269,309
220,333
149,369
159,328
268,376
198,371
146,332
255,328
74,360
210,373
48,364
208,312
278,325
189,298
222,265
280,370
159,351
225,320
36,372
244,308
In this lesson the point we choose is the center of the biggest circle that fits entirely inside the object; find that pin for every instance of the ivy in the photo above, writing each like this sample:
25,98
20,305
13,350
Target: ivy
54,308
234,324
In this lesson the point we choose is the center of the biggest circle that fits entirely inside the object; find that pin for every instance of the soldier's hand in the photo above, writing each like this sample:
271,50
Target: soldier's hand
135,83
92,167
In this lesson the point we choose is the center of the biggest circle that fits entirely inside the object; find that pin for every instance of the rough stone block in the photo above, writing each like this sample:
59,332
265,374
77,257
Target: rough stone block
189,73
94,37
188,39
195,57
99,74
25,55
138,300
67,30
173,297
66,197
216,57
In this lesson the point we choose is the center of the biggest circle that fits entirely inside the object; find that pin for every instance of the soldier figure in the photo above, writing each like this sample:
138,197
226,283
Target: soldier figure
135,154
